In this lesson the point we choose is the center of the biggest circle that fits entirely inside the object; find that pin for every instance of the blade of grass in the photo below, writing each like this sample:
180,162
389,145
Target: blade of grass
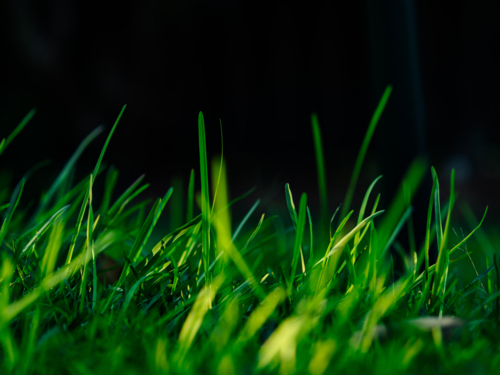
320,165
190,198
205,200
16,131
364,147
290,205
68,167
363,205
14,201
298,240
103,151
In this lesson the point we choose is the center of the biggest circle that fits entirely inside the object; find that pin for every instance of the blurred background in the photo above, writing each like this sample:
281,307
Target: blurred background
262,68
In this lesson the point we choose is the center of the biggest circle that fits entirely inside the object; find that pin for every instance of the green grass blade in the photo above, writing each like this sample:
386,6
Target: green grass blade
94,280
399,204
340,245
157,212
109,186
43,229
205,199
320,165
88,245
363,205
14,201
216,184
298,240
254,233
190,197
69,167
397,229
311,252
101,156
17,130
78,226
364,148
290,205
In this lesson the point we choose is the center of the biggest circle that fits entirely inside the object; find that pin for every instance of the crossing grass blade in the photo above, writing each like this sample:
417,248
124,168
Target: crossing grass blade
363,205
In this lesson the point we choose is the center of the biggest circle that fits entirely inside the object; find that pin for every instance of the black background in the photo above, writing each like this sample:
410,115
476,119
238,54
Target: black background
262,68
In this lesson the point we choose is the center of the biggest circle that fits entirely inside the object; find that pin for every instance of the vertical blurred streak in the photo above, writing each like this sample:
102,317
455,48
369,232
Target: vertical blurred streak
395,59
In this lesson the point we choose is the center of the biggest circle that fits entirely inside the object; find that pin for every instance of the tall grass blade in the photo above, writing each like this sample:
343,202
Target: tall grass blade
320,165
103,151
190,197
205,199
298,240
364,147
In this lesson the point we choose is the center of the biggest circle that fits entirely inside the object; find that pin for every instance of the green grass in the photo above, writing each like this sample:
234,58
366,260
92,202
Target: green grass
279,294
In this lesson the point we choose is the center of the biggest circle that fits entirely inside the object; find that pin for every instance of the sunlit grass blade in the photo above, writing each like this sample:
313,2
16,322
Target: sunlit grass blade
339,246
290,205
261,314
43,229
195,318
225,243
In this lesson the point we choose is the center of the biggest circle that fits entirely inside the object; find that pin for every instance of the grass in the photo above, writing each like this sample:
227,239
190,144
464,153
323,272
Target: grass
257,299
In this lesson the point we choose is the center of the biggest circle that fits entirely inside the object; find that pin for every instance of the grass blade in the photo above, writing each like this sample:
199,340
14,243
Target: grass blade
69,167
320,165
190,198
103,151
290,205
14,201
364,148
298,240
205,200
16,131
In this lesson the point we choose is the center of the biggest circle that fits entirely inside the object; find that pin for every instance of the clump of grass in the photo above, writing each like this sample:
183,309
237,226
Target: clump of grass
209,299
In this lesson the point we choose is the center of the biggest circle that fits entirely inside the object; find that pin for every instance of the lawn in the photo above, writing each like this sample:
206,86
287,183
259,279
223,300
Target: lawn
84,289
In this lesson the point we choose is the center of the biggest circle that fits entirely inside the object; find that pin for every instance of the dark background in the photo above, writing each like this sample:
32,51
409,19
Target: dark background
262,68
